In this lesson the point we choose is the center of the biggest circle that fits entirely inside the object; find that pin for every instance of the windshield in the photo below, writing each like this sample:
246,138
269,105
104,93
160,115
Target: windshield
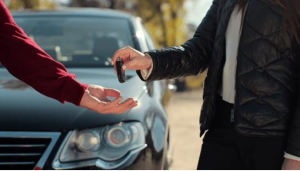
79,41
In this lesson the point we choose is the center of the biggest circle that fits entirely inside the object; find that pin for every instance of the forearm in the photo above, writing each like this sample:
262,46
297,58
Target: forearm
24,59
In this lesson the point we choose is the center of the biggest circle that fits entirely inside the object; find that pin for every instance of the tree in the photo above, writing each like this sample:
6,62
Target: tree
113,4
164,20
31,4
84,3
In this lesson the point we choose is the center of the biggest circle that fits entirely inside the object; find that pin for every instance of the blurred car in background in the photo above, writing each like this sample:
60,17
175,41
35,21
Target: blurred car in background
40,133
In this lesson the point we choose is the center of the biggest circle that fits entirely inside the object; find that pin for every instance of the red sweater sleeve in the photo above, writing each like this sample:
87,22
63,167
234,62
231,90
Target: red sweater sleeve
24,59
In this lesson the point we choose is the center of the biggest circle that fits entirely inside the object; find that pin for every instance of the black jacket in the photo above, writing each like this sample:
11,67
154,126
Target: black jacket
267,80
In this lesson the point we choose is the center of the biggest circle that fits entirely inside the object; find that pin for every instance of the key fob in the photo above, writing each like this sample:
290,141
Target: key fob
120,71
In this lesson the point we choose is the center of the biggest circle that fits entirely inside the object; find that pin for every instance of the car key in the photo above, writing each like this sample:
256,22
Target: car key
120,71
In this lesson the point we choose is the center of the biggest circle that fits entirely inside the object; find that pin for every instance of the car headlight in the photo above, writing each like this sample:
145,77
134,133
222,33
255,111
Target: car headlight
107,143
88,141
117,137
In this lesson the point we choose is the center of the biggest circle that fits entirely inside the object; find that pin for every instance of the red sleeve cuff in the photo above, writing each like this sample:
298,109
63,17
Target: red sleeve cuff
74,90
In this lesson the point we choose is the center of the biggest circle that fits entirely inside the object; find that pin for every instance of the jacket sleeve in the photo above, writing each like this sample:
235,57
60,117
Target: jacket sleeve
191,58
24,59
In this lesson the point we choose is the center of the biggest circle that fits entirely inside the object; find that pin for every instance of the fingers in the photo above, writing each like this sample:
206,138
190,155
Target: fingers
132,59
112,92
124,106
123,53
102,105
132,64
128,104
115,107
106,108
114,103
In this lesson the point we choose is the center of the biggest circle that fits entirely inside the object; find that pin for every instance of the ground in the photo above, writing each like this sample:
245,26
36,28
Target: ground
184,112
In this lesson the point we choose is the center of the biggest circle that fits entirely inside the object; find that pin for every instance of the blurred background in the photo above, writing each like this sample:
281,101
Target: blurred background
169,22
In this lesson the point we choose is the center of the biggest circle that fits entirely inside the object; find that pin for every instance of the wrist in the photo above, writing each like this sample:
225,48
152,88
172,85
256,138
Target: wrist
149,61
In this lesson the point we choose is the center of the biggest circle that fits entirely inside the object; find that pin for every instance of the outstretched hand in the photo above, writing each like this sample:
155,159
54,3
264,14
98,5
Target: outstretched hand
95,98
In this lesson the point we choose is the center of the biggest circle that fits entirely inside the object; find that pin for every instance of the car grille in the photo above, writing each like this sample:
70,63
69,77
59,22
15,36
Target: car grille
21,153
24,150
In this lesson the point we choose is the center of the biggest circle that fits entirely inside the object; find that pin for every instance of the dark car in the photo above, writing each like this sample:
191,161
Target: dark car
40,133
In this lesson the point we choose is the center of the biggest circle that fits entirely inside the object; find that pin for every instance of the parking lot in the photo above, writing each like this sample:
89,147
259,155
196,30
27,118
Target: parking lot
184,109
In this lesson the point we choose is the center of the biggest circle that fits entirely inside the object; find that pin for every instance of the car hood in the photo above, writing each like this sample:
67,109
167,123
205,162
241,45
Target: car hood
24,109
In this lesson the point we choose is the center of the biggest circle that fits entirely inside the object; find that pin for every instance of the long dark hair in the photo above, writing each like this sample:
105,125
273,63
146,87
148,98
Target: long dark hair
291,15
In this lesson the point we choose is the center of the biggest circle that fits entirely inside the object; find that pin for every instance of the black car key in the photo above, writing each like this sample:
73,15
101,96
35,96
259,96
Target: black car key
120,71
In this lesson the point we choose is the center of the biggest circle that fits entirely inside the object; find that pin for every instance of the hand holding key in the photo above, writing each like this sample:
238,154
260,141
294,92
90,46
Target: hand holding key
132,59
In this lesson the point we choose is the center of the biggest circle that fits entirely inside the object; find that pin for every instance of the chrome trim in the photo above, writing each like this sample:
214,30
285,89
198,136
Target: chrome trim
19,154
115,164
56,162
23,145
95,162
52,135
16,163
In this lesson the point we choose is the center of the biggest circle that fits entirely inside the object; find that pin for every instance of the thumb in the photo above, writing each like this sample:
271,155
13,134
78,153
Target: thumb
112,92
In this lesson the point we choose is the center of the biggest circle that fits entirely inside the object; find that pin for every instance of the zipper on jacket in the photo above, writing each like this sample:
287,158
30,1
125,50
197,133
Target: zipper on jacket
235,94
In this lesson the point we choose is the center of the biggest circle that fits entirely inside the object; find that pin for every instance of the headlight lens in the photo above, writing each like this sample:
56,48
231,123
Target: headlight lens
118,137
107,143
88,141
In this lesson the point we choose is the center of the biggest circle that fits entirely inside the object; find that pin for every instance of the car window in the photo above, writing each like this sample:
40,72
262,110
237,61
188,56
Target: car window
79,41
